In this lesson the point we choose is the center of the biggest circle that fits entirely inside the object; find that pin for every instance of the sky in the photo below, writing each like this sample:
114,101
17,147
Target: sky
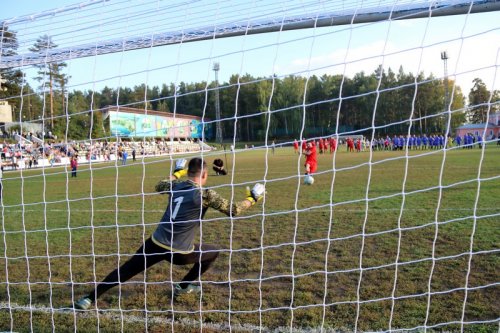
472,43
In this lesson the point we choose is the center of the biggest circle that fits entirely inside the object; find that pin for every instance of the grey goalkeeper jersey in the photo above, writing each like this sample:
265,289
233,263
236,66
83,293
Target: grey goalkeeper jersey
187,206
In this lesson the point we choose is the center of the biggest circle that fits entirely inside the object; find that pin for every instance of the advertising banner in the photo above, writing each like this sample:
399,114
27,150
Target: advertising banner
139,125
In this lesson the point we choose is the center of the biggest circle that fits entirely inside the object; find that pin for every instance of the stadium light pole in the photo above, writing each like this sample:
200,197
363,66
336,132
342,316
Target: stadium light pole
218,127
68,118
444,57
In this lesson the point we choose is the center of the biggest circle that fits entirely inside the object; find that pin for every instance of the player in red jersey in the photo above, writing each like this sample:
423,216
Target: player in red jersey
321,145
358,145
296,146
311,158
333,145
350,145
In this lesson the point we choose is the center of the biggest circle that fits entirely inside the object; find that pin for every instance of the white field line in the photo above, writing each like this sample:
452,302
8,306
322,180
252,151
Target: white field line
161,318
117,315
151,318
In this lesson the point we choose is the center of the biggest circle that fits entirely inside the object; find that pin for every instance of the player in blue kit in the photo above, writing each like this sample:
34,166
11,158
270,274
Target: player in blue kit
425,142
411,142
479,141
395,143
173,239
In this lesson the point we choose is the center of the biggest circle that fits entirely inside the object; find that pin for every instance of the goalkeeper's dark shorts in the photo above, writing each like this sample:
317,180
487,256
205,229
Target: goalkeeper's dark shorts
150,254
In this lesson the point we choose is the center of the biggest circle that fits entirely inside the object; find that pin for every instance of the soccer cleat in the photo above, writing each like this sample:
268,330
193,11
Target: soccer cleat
83,303
190,289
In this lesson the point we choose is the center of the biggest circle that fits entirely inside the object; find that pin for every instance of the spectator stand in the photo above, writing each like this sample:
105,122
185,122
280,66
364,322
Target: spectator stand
50,154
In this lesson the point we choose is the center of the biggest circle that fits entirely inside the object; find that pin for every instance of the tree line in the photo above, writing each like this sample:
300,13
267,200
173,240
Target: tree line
253,108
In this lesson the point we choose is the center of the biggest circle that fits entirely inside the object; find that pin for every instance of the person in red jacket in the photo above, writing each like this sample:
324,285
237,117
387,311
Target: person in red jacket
350,145
333,145
311,158
74,166
296,146
321,145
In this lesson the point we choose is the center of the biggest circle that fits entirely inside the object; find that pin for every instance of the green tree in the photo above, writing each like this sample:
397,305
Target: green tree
125,97
331,86
78,116
479,102
428,102
51,76
287,107
391,104
241,96
255,109
265,88
164,97
107,97
12,79
360,94
457,107
315,109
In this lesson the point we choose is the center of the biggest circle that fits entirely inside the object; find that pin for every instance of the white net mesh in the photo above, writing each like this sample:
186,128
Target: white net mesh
397,232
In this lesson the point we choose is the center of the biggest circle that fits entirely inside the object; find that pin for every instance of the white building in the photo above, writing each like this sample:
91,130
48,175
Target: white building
5,112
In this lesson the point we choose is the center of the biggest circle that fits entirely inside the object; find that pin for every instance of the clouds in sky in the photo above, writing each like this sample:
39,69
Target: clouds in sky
469,58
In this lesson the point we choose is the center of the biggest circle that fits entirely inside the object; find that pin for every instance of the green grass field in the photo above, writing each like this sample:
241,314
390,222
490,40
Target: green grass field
360,249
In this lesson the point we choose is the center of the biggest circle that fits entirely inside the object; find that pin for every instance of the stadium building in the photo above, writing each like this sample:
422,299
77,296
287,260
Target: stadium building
133,123
491,129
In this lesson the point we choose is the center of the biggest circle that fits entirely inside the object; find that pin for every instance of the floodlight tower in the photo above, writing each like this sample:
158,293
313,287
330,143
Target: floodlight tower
444,57
218,127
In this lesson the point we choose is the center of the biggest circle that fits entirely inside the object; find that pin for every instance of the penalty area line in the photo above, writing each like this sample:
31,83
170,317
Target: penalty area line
117,315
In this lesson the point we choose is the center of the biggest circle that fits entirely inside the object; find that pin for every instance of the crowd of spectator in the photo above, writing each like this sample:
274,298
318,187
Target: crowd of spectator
28,153
27,135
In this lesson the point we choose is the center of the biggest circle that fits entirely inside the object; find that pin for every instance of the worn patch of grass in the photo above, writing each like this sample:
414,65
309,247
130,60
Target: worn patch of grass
379,242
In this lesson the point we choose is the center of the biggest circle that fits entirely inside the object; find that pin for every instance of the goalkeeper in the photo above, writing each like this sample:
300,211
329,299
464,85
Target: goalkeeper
173,239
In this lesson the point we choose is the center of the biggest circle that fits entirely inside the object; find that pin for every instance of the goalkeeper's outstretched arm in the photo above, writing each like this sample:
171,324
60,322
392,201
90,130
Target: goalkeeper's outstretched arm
213,200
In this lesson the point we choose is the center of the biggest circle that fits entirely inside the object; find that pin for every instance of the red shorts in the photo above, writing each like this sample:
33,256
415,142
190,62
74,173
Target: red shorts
312,167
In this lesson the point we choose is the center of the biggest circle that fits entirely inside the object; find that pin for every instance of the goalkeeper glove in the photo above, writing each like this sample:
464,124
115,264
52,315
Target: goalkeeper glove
256,194
180,170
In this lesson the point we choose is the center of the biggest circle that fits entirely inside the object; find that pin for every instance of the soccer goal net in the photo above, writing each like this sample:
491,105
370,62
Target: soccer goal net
390,108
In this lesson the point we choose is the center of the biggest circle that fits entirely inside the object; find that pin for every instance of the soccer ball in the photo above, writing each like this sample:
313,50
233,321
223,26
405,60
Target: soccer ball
308,180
